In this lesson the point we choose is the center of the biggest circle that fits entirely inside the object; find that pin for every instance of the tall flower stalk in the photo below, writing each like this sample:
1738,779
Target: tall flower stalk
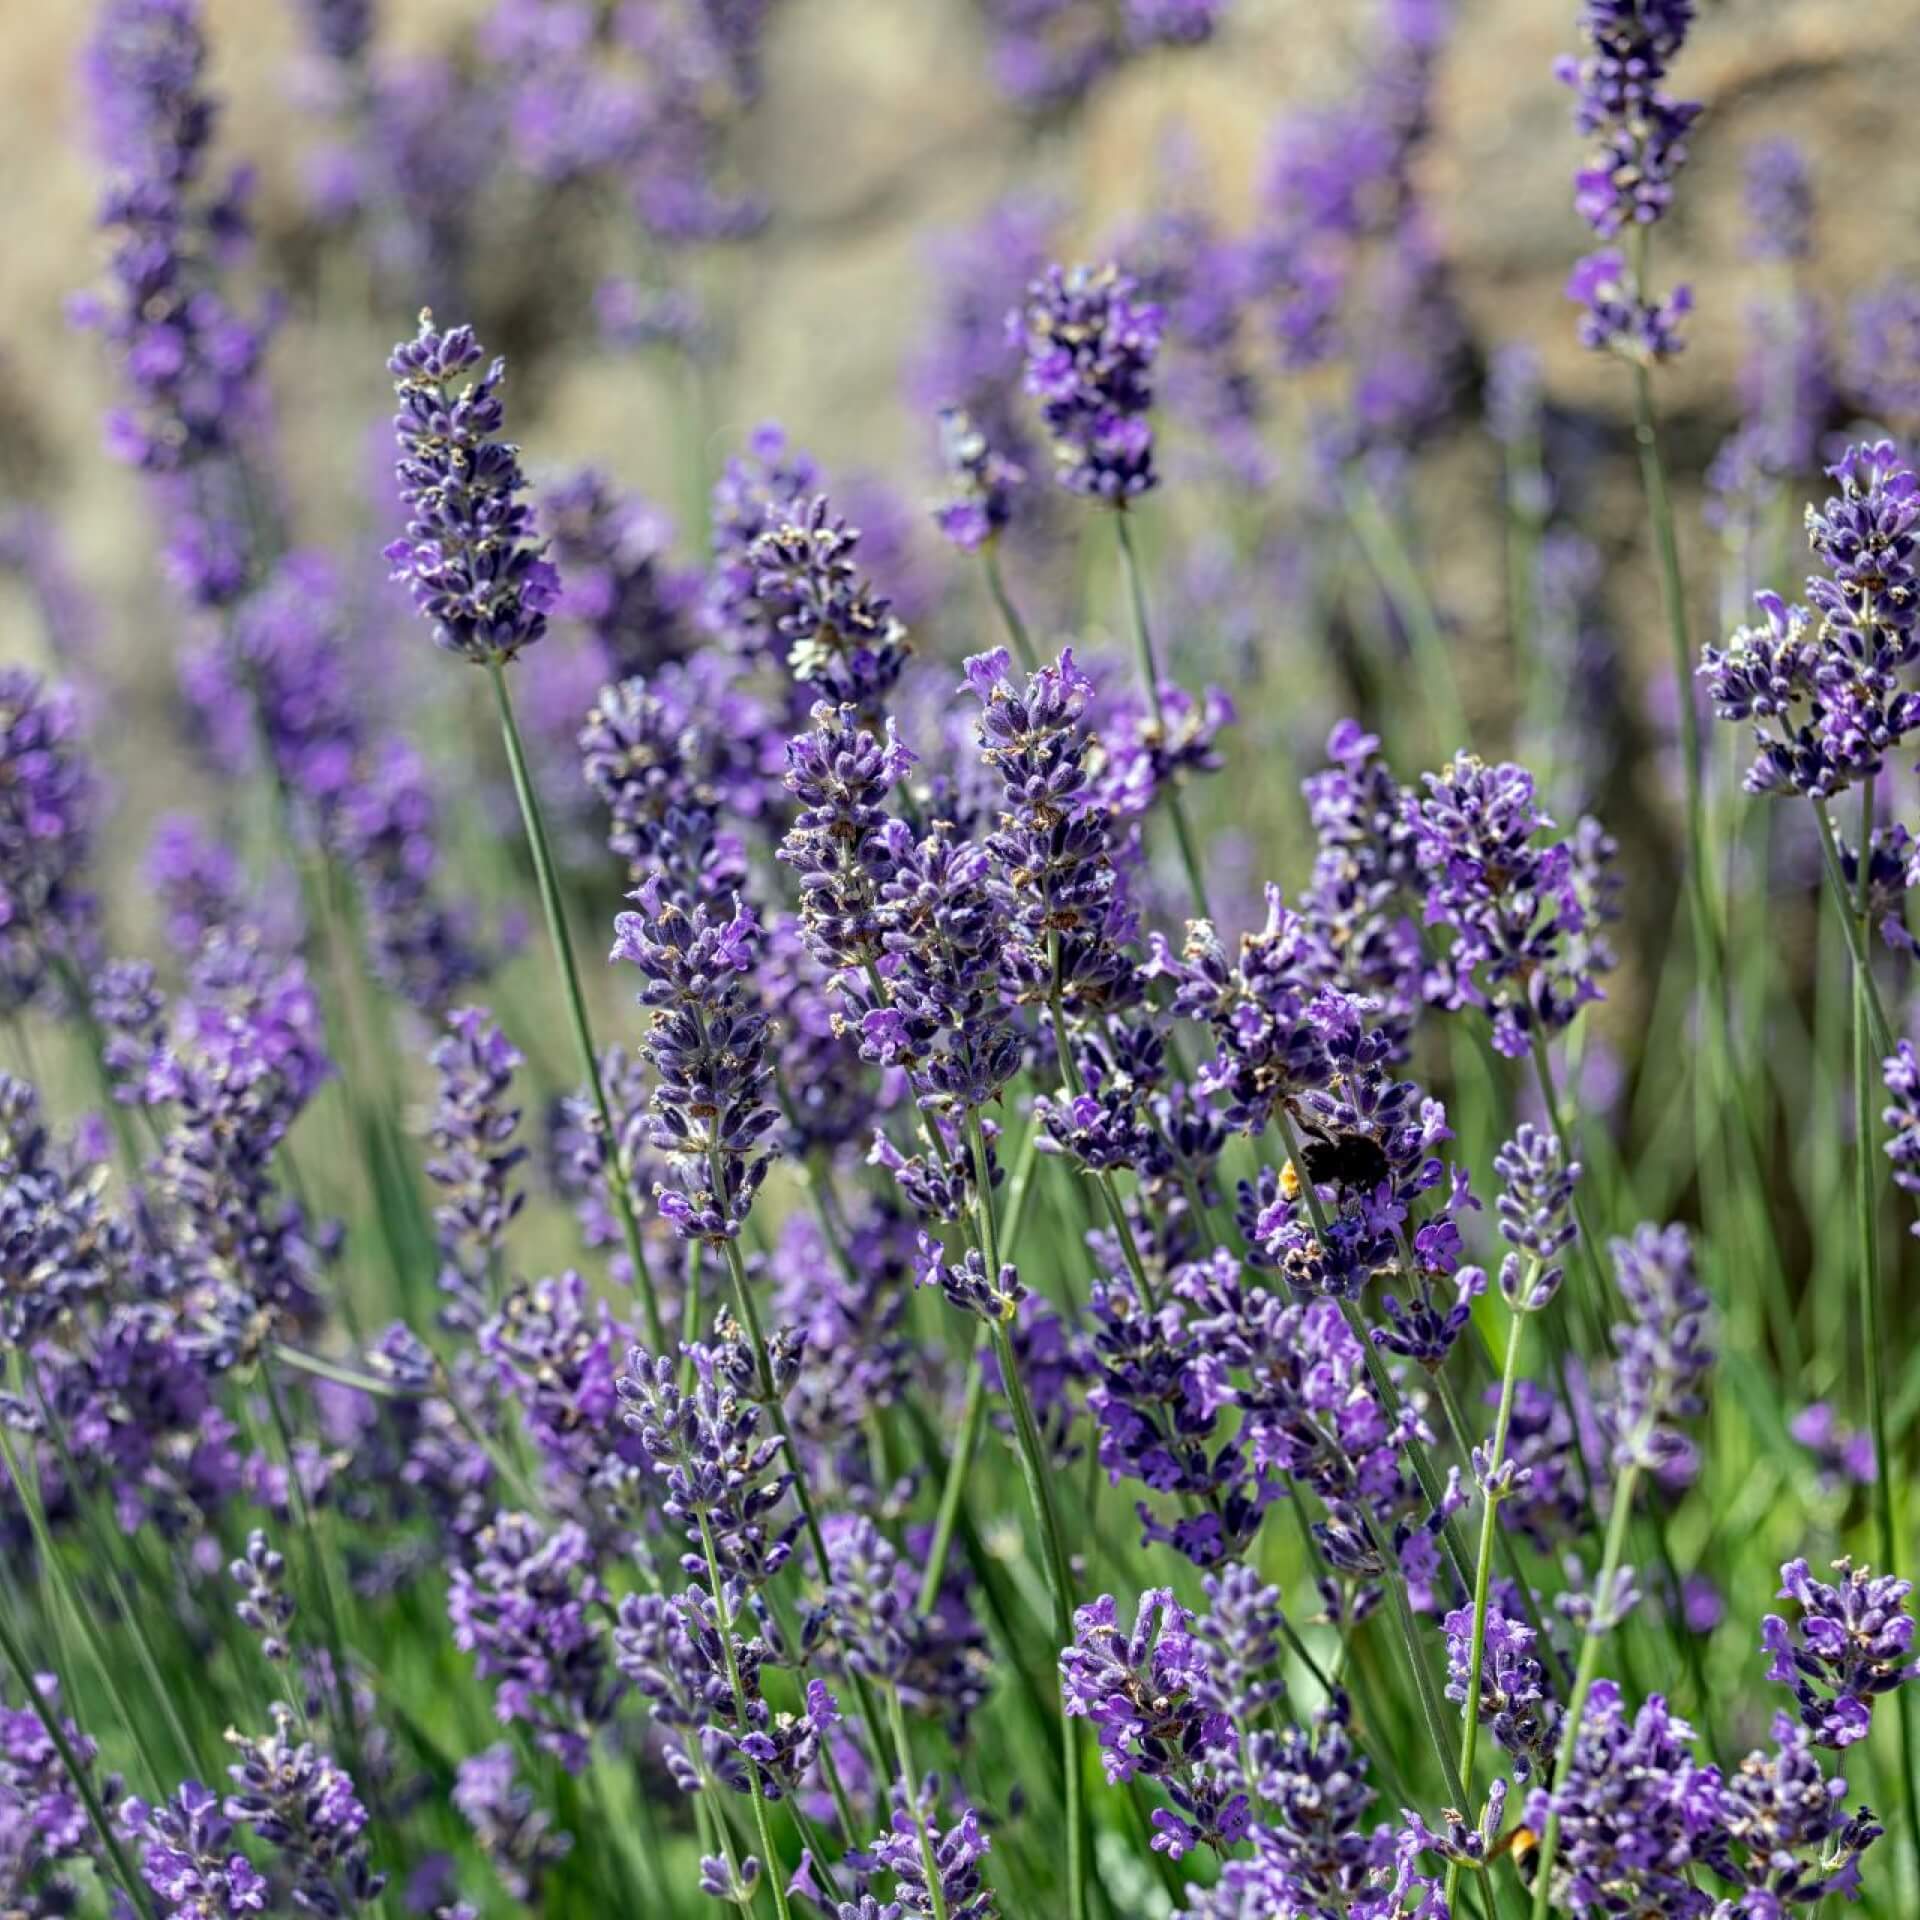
480,579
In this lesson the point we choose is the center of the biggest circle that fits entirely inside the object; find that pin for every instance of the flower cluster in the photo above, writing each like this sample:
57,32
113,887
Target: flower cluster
470,556
1526,922
1090,349
49,800
1822,684
1851,1644
707,1042
1639,144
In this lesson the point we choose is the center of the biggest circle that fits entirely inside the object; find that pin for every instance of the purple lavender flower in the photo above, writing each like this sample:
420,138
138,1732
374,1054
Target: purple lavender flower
1364,874
712,1456
1513,1703
475,1156
682,741
1779,200
44,1825
1048,54
1883,363
1090,350
527,1607
246,1055
1830,678
1843,1456
967,363
871,1621
1852,1643
1785,1835
49,800
265,1606
1636,1812
60,1244
1067,912
1527,922
296,1797
188,358
1142,1692
980,484
707,1043
1665,1351
1536,1214
942,1019
470,557
957,1853
1901,1070
556,1352
754,492
612,552
1310,1853
841,637
1619,318
188,1858
509,1826
839,846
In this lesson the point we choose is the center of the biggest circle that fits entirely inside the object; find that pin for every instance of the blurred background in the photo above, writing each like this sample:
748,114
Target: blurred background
881,178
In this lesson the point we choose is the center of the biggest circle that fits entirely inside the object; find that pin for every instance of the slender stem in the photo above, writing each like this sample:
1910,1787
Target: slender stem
618,1190
1851,925
1483,1570
49,1718
724,1615
1034,1472
1599,1623
1009,613
903,1754
1393,566
55,1569
973,1416
1872,1335
131,1613
1150,685
1594,1295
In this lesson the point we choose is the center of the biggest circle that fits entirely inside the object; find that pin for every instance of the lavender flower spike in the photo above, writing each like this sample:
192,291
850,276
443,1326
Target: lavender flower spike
470,556
1852,1643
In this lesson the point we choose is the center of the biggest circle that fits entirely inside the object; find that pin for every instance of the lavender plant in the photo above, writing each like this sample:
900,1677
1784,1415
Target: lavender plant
949,1307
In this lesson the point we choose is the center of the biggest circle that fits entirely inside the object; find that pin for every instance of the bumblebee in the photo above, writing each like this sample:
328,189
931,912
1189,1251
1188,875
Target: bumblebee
1524,1845
1353,1160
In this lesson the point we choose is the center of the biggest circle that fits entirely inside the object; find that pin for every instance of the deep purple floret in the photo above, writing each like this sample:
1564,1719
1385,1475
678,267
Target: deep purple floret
471,557
1090,350
707,1041
1852,1643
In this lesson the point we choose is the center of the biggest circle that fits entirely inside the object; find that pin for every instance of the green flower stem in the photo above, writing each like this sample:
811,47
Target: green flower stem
1866,1078
903,1755
1483,1570
1593,1296
1625,1485
49,1717
1393,566
618,1189
724,1614
1009,614
1150,686
108,1561
777,1413
70,1597
973,1415
307,1524
1059,1571
1509,1554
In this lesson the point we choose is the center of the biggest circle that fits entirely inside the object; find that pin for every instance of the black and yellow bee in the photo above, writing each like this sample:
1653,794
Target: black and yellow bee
1356,1161
1524,1845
